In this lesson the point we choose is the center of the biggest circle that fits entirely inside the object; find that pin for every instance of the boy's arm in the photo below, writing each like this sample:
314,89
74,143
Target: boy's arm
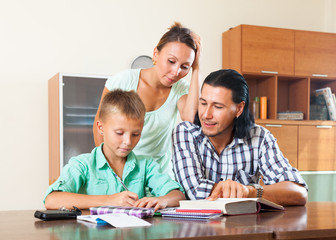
57,199
171,199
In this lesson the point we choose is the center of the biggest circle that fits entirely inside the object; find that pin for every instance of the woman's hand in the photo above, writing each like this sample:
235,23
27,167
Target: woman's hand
152,202
198,43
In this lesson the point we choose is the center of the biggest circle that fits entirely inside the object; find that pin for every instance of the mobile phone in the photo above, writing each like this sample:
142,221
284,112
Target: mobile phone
55,215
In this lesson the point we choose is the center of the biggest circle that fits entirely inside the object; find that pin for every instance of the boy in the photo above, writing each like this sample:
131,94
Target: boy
112,174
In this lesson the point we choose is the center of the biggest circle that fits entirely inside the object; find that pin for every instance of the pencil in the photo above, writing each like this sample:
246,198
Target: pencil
123,184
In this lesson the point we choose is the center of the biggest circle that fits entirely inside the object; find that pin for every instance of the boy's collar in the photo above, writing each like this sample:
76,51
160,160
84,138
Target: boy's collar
101,159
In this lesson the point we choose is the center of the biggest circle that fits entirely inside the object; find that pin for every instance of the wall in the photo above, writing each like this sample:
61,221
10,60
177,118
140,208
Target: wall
40,38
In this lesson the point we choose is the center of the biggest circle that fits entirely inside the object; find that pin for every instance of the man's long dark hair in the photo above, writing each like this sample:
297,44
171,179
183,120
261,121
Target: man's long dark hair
234,81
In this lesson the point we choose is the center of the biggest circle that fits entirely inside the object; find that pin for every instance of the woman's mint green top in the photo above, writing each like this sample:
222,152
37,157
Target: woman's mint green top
91,174
156,137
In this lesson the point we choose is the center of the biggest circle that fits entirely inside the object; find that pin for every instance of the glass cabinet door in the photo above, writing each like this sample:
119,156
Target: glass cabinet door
81,97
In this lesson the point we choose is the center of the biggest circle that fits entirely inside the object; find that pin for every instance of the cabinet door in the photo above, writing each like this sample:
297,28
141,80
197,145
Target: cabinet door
73,103
267,49
286,136
315,53
316,148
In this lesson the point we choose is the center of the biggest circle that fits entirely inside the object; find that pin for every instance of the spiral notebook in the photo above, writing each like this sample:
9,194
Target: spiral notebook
191,214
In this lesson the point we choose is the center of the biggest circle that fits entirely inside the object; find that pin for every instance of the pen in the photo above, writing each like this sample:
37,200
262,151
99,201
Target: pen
123,184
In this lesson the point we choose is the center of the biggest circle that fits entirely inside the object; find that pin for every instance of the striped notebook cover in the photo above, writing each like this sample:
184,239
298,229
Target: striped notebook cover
132,211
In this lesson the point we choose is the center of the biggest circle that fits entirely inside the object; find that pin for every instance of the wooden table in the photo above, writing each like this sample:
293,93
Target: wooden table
314,221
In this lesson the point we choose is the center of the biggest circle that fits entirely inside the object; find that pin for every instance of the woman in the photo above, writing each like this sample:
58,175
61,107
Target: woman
163,92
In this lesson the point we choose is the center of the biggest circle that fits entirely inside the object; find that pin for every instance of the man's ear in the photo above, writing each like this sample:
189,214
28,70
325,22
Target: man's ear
100,127
240,108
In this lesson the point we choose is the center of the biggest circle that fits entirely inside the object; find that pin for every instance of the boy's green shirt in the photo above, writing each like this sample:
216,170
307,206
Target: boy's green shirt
91,174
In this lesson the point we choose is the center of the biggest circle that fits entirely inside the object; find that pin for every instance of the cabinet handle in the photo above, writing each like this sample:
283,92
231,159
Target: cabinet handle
319,75
271,72
323,126
273,125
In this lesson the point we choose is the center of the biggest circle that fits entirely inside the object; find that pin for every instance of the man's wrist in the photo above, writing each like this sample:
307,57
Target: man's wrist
252,191
258,189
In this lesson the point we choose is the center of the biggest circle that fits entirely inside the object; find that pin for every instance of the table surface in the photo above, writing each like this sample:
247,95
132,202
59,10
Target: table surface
315,220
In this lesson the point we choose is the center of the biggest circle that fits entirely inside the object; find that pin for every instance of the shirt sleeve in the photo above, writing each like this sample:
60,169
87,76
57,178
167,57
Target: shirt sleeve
274,166
188,167
126,80
160,183
70,180
181,88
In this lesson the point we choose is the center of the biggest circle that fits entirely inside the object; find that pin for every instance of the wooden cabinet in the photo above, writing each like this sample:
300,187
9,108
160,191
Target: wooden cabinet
316,148
265,56
287,139
254,49
315,54
73,102
308,145
258,49
287,66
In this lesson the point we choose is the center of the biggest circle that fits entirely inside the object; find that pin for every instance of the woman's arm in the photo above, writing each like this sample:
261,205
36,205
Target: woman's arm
98,139
56,200
187,104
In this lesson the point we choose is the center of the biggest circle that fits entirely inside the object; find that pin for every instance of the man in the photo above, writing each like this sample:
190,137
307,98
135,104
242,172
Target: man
224,154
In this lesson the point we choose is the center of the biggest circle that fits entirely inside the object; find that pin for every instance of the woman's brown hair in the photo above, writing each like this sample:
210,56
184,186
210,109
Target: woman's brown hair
177,33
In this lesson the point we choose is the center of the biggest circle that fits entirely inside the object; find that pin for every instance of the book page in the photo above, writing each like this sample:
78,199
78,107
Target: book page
123,220
120,220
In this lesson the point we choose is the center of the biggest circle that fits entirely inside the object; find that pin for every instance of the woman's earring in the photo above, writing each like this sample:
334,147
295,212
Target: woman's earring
154,62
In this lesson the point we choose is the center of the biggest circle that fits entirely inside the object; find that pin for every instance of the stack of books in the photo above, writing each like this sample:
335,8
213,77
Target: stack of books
205,209
330,101
290,115
192,213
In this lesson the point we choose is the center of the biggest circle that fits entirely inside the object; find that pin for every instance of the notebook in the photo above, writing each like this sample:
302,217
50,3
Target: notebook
191,214
131,211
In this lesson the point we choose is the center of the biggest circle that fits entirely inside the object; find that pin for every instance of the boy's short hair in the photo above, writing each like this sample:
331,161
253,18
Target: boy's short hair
125,102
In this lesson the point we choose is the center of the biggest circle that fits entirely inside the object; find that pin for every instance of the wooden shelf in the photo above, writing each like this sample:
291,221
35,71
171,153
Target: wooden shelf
287,66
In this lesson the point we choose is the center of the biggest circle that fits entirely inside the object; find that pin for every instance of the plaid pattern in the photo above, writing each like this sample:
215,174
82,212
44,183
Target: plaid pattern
132,211
198,167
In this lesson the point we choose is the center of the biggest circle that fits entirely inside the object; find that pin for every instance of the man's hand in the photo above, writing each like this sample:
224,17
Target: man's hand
230,189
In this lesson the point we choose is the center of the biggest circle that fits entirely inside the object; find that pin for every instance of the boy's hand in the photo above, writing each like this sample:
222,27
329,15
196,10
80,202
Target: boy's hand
125,198
151,202
229,189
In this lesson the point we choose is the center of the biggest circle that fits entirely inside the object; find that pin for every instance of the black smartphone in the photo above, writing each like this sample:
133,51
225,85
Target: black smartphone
55,215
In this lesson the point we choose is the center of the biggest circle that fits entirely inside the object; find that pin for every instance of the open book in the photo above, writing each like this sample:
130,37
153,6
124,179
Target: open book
233,206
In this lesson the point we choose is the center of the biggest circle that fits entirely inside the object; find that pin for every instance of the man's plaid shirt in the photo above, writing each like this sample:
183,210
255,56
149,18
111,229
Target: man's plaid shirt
198,167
